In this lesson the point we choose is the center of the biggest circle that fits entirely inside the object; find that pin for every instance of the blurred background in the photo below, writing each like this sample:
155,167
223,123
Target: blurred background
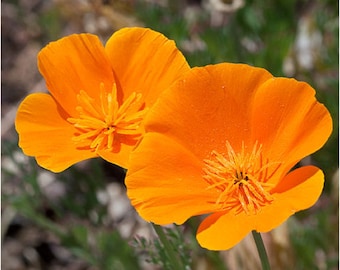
81,218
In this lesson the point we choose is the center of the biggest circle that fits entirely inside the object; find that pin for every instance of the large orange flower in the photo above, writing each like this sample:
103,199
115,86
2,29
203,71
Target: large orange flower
222,141
99,96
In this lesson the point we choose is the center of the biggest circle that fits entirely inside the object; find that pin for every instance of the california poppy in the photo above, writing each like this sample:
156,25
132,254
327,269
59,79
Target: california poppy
98,96
222,142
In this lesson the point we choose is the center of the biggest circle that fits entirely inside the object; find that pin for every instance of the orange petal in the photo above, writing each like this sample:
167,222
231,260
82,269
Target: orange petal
288,121
144,61
164,182
299,190
74,63
222,231
45,134
210,105
121,156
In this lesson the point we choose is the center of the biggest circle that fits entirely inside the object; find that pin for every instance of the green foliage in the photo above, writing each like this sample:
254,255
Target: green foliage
314,243
78,183
157,252
51,24
110,251
93,242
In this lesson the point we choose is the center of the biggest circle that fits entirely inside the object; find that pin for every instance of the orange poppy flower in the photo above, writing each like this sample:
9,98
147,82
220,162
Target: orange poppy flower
99,96
222,142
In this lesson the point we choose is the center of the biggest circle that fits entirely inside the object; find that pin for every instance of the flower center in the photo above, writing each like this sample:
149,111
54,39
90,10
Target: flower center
241,178
100,125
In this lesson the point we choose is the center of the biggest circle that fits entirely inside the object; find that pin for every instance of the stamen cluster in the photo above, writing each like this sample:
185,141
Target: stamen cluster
242,178
102,123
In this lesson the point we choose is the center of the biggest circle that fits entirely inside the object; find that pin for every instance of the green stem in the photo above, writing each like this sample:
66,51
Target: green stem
262,250
175,262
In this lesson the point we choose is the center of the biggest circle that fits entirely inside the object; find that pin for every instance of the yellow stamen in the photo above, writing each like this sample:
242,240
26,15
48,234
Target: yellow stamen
241,178
99,123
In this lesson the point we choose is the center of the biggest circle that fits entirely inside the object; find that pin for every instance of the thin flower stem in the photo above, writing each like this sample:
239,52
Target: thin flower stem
262,250
175,262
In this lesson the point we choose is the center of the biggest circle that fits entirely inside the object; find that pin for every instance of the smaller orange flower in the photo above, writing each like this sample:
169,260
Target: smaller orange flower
99,96
222,142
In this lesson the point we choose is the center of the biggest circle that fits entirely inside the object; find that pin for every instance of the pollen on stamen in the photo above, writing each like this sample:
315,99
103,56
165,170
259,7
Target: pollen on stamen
241,178
100,122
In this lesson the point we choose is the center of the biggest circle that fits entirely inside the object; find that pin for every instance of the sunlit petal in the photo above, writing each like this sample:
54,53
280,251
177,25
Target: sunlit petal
45,133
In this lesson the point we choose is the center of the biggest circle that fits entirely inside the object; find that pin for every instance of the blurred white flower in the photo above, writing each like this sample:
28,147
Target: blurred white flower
224,5
307,48
308,43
